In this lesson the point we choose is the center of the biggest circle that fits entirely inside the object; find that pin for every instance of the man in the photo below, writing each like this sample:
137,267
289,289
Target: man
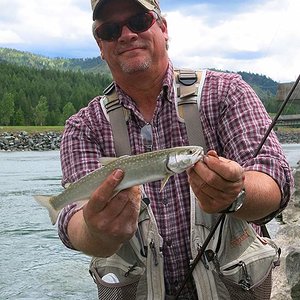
133,39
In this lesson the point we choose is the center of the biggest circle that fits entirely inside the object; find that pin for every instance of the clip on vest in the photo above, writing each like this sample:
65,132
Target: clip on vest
187,77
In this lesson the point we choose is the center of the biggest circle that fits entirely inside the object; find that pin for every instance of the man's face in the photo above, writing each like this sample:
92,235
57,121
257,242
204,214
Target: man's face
132,52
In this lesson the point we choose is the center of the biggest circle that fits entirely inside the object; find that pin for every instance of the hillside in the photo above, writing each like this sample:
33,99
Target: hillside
261,83
32,96
27,59
37,90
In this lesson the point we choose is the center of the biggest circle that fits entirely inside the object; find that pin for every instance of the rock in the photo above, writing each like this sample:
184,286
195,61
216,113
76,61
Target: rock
22,141
292,271
286,277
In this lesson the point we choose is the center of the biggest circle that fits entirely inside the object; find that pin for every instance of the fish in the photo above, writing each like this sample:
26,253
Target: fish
138,169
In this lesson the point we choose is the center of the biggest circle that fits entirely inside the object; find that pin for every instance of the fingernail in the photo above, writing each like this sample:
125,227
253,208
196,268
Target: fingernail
206,158
118,174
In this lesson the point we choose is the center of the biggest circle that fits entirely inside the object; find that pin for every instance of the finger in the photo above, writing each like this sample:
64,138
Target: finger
119,218
126,201
105,191
210,184
229,170
213,153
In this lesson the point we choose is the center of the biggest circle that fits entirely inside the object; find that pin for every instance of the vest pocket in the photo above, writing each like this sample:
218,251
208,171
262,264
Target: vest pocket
259,291
115,278
250,275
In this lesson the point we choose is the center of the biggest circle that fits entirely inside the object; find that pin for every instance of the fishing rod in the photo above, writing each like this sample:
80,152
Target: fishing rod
223,215
277,116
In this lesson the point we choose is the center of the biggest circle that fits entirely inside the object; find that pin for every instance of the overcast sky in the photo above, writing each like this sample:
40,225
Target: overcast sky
254,36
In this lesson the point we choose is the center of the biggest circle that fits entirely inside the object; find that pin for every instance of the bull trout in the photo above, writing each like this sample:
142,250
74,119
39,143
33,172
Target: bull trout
138,169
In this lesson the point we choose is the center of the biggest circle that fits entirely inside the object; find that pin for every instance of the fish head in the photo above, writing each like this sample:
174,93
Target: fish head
182,158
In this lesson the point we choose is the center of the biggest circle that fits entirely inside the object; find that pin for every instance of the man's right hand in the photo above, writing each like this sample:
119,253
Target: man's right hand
105,223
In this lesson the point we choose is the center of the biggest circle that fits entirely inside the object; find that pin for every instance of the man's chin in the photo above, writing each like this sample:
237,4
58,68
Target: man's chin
133,67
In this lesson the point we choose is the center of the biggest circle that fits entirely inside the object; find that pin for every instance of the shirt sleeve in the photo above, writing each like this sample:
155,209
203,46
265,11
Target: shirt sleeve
80,150
240,126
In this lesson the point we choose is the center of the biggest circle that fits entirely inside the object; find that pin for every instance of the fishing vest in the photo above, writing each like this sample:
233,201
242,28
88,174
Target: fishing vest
237,263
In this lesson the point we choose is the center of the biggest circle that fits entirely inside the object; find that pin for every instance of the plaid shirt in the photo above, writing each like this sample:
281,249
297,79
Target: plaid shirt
234,122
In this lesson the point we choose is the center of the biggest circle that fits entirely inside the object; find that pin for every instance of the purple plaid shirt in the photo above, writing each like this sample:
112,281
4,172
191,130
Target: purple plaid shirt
234,122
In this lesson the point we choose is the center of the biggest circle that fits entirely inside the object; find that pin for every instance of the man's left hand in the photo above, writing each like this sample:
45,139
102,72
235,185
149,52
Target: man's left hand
216,182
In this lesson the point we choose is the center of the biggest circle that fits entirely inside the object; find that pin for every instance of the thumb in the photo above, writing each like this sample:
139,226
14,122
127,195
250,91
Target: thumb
105,191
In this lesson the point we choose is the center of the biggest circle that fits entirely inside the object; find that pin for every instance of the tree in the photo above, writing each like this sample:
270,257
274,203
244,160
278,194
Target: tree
7,108
68,111
19,118
41,111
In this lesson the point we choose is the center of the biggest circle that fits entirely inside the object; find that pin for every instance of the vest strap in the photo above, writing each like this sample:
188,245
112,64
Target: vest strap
117,117
187,101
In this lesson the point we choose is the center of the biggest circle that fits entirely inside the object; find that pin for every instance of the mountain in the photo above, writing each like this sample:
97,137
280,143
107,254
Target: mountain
27,59
263,85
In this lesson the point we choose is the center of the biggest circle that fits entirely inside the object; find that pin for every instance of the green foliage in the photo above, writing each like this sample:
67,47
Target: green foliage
263,85
7,108
68,111
41,111
37,90
27,85
27,59
19,118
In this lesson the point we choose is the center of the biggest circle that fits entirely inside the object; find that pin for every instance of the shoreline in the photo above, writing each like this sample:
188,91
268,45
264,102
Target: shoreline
50,140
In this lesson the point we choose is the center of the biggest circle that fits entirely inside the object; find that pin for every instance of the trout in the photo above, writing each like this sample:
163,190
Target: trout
138,169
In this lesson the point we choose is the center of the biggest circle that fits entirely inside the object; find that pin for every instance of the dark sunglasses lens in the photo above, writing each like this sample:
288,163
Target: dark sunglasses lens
140,23
108,31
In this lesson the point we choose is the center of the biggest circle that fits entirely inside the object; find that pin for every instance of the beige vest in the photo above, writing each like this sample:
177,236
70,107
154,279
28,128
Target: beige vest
237,263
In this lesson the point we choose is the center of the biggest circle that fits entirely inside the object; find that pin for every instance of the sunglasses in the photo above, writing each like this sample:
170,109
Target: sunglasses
138,23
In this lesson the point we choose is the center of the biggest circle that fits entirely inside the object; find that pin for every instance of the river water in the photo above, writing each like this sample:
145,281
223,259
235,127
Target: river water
34,264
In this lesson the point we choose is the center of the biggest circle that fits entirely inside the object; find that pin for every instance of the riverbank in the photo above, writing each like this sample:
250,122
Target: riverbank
50,140
35,141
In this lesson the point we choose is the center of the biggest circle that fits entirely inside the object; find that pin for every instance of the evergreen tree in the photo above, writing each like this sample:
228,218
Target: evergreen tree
7,108
41,111
19,118
68,111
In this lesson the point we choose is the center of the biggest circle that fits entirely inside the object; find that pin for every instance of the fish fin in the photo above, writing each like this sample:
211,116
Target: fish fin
45,201
67,185
164,182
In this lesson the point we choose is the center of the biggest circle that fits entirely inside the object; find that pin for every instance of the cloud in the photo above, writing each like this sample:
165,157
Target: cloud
261,39
259,36
56,28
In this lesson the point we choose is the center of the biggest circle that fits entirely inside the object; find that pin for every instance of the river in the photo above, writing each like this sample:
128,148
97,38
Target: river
34,264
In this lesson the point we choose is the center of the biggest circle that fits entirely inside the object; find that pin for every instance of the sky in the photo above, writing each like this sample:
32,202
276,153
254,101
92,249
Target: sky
258,36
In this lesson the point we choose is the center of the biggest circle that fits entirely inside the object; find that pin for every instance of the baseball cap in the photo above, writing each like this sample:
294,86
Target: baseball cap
148,4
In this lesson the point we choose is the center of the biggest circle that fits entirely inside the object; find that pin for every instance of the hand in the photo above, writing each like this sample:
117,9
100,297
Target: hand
112,221
216,182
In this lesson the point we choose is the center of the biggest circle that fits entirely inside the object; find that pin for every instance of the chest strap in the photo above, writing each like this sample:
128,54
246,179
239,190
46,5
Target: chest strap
188,94
189,88
118,117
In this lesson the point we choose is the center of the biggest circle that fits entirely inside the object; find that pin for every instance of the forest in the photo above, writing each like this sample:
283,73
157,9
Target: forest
36,90
30,96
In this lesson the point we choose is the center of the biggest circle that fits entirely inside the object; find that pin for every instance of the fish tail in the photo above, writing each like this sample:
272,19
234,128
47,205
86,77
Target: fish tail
45,201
